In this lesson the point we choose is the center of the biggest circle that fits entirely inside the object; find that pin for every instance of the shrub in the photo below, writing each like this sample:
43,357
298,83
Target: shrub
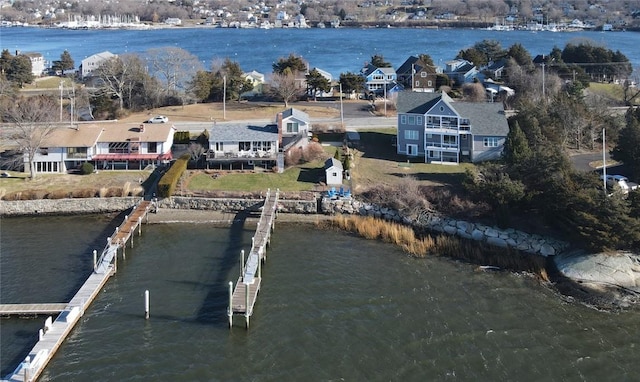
169,181
181,137
86,168
83,193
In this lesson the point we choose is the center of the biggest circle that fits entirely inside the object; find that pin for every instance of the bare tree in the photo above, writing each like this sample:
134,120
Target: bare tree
114,75
175,67
286,87
474,92
32,120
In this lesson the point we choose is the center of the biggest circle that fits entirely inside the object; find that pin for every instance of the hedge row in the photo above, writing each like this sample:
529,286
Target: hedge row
168,182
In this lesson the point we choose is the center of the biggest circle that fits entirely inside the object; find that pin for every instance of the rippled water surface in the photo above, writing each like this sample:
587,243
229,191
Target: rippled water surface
332,307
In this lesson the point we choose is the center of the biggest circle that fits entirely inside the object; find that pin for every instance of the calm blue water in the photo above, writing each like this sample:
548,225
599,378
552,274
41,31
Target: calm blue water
334,50
333,307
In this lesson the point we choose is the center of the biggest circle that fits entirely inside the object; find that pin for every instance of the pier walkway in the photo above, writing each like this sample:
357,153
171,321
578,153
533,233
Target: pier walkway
244,296
54,332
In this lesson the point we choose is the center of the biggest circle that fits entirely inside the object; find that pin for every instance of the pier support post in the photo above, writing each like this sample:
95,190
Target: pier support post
230,310
146,304
95,260
124,248
140,226
242,264
246,310
259,269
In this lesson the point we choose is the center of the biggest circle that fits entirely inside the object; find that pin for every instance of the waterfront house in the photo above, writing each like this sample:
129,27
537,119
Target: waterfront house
107,146
240,146
444,131
416,75
91,63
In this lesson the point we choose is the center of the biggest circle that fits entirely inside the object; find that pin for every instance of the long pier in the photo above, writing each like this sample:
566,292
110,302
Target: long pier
244,296
54,332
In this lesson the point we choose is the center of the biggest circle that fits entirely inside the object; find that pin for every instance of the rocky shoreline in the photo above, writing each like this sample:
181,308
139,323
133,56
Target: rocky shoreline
604,280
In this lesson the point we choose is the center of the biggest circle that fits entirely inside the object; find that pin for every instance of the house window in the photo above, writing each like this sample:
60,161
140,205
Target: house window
429,83
412,150
412,120
377,77
118,147
423,74
411,135
244,146
449,139
490,142
76,152
219,146
292,127
403,119
419,120
441,108
417,84
152,147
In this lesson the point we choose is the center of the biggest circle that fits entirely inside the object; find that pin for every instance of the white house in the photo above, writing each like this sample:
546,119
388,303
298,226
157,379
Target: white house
293,127
106,146
257,79
91,63
37,63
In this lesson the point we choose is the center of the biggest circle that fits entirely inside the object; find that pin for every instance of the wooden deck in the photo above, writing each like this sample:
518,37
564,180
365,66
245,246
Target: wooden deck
241,302
53,334
31,309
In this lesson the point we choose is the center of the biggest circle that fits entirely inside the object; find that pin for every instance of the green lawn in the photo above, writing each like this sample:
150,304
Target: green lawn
301,178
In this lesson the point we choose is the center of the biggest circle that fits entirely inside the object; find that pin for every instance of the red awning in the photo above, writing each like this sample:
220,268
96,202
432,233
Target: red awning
133,157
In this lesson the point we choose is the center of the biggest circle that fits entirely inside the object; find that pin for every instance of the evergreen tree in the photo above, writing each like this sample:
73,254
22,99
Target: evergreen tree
351,83
5,60
19,70
316,82
627,148
64,63
293,63
516,147
378,61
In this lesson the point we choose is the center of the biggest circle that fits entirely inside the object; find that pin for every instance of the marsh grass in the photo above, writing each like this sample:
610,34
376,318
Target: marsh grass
422,245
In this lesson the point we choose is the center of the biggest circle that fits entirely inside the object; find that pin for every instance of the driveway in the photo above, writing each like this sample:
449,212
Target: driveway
582,162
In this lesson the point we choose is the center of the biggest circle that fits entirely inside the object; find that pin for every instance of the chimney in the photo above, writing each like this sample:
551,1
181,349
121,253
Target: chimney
279,123
141,128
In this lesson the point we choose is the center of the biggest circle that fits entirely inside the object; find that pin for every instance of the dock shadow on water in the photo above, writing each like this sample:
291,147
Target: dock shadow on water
214,306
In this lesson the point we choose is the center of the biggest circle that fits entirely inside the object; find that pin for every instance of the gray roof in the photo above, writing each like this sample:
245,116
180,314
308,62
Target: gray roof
486,118
295,113
242,132
418,102
332,162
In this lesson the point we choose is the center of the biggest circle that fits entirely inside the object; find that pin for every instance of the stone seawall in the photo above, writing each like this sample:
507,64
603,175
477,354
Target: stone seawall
237,204
74,206
522,241
511,238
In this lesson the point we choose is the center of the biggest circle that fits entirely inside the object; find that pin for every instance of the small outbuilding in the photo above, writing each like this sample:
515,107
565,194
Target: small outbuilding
333,171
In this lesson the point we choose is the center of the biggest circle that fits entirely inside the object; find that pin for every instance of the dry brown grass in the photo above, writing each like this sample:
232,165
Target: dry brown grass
207,112
57,186
440,245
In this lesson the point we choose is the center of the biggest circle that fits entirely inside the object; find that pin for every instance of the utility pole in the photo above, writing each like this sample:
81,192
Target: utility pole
604,164
224,98
385,95
341,109
543,91
61,89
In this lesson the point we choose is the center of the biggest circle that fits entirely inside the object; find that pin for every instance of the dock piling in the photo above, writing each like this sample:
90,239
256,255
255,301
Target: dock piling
230,310
146,304
95,260
246,312
242,263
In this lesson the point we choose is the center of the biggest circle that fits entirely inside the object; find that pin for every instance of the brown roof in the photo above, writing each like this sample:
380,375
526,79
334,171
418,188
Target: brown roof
88,135
84,136
158,132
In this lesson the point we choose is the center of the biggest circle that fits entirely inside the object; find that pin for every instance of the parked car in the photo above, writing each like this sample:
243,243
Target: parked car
158,119
622,181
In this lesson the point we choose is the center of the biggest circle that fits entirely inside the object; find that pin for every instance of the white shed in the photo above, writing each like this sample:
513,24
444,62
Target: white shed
333,171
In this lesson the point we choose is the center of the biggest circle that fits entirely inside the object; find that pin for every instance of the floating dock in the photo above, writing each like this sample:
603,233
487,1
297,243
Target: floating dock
244,296
54,332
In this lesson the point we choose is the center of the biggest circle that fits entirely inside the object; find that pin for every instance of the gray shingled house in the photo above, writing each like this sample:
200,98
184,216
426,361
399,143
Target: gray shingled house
441,130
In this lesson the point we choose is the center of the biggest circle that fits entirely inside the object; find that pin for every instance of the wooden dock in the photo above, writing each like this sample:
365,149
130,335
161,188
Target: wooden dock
244,296
54,332
31,309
